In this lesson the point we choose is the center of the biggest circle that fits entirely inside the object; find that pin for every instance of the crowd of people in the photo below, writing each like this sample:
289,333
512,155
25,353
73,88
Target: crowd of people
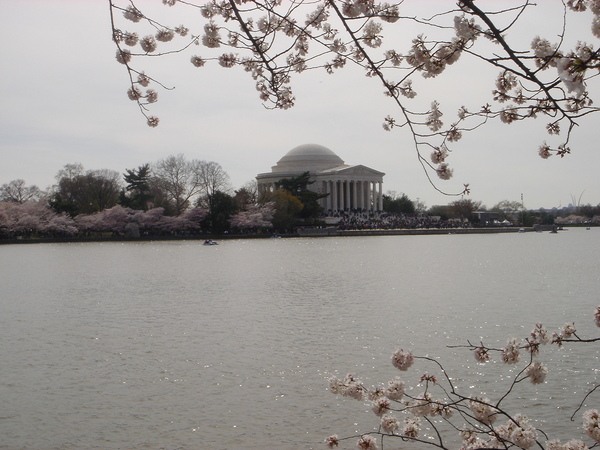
380,220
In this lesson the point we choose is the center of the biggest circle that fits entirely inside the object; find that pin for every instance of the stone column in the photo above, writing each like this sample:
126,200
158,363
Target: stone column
374,201
381,196
354,197
334,193
342,196
329,197
347,195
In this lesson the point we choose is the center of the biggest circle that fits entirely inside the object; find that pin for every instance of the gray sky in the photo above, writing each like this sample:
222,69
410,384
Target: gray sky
64,101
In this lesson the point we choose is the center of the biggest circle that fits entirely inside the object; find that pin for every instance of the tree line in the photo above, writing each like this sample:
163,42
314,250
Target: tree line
174,183
174,195
179,196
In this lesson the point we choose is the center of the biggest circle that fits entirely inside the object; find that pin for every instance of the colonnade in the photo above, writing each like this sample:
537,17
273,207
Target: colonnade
343,194
352,194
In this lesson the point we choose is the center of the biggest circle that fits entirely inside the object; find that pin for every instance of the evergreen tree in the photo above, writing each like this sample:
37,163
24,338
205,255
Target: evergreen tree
398,205
137,193
298,187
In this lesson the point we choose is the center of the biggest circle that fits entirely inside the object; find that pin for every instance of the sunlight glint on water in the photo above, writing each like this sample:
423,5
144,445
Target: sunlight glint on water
177,345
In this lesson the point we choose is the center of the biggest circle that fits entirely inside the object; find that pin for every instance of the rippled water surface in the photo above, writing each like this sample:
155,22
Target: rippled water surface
176,345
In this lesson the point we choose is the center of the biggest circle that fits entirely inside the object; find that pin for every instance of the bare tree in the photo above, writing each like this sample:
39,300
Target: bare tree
17,191
213,178
178,180
273,40
247,195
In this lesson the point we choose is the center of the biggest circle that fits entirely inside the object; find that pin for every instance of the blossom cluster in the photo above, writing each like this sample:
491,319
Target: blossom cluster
517,431
348,387
483,411
402,360
487,423
149,46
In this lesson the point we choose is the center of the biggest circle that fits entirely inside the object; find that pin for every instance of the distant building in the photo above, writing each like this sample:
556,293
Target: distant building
486,217
349,187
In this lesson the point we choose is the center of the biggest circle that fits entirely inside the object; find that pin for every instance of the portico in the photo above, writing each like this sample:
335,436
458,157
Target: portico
348,187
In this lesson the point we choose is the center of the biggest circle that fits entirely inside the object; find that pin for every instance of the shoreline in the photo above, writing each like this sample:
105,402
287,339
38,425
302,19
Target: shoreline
308,232
326,232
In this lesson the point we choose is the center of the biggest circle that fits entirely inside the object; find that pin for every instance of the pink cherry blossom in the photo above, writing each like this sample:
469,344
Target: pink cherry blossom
510,353
402,360
367,442
537,372
591,424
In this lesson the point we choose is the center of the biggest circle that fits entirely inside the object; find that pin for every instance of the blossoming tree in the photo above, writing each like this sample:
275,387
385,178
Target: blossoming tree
33,217
274,40
444,410
254,218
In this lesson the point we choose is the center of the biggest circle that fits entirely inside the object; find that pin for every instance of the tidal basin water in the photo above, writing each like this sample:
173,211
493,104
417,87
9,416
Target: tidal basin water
176,345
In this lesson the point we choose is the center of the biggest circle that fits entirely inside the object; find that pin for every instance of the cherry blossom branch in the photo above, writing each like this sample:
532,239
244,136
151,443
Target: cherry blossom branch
583,401
513,57
278,43
478,413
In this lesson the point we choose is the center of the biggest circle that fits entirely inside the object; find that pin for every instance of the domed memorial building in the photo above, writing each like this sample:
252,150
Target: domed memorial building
349,187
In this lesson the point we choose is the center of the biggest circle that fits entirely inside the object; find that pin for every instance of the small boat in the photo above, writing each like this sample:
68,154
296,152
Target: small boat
210,242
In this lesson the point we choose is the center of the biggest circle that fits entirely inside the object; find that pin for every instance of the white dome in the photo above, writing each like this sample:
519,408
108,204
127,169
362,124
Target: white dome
308,157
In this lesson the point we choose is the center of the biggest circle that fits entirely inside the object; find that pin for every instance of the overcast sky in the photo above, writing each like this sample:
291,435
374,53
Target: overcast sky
63,100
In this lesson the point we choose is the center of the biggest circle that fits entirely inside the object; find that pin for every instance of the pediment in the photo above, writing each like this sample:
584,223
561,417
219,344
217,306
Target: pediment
354,170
